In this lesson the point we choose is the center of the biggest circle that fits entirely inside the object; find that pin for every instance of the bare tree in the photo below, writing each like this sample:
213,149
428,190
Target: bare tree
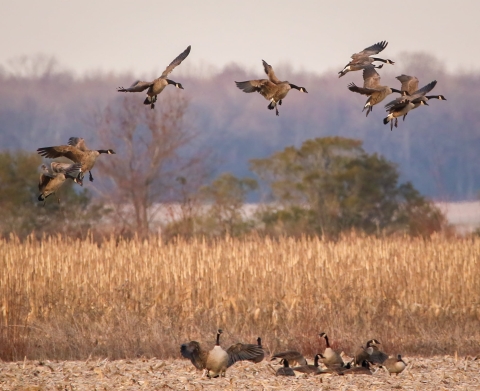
154,148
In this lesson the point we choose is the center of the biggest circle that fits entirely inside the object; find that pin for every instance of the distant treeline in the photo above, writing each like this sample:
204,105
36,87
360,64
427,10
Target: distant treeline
436,148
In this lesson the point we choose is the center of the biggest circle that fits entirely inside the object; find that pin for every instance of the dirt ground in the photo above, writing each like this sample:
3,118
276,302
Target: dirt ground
439,373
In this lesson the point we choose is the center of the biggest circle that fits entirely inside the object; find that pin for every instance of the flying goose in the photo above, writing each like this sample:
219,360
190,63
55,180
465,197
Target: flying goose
53,177
292,356
216,361
402,105
371,87
330,357
271,89
77,152
395,365
285,370
362,59
156,87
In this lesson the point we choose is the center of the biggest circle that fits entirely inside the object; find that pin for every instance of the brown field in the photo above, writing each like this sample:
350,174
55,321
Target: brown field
425,374
66,299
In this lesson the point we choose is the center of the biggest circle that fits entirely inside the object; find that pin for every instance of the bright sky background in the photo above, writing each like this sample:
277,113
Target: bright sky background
143,36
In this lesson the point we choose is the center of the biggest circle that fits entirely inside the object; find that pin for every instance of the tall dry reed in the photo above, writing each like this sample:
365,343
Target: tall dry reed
68,299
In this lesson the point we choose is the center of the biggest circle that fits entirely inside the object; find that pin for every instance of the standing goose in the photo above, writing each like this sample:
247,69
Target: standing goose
362,59
292,356
53,177
330,357
395,365
285,370
372,88
156,87
217,360
271,89
77,152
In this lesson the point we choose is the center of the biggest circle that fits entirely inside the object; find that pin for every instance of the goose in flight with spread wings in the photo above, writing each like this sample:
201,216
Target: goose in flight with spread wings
271,89
362,59
53,176
157,86
371,87
77,152
404,104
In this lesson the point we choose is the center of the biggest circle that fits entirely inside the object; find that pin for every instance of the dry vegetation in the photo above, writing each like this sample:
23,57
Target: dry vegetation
67,299
426,374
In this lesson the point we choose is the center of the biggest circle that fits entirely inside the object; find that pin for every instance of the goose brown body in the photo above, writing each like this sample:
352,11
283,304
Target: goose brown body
156,86
371,87
77,152
362,59
292,356
217,360
53,177
271,89
395,365
285,370
330,357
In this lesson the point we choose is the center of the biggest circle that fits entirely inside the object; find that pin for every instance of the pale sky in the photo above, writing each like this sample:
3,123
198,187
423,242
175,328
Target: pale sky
143,36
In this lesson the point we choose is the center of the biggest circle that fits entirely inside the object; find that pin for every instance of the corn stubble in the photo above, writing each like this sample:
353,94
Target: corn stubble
69,299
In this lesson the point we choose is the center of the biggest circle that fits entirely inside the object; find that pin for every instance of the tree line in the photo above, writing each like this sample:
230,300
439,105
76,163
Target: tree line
326,186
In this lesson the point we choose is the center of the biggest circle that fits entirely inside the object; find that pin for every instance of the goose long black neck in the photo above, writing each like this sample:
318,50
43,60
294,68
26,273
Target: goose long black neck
259,342
315,360
218,337
326,340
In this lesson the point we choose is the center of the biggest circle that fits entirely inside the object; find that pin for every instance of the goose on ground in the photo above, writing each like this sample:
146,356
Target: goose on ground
371,87
53,176
216,361
362,59
330,357
285,370
364,353
77,152
394,365
292,356
271,89
364,369
309,368
248,352
377,356
157,86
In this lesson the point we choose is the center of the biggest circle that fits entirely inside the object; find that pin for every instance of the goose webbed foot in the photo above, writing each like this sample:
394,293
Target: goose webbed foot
90,176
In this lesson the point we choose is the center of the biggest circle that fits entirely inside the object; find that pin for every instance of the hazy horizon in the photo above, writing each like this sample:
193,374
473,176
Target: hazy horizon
142,37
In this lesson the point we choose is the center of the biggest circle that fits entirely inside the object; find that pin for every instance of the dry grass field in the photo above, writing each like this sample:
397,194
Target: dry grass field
66,299
425,374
